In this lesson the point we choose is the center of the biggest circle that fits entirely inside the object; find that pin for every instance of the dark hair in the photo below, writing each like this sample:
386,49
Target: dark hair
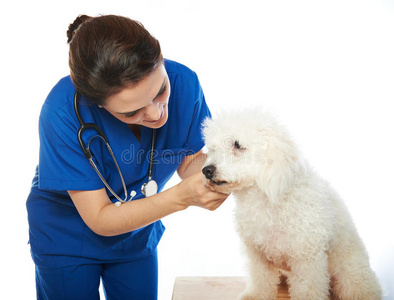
108,53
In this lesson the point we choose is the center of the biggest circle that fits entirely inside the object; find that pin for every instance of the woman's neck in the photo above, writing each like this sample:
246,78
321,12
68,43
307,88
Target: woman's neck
136,129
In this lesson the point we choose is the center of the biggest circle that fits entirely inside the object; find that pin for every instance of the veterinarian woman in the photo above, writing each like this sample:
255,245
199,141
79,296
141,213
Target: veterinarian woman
150,110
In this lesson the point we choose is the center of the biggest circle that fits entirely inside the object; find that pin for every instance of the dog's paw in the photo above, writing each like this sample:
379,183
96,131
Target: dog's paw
248,296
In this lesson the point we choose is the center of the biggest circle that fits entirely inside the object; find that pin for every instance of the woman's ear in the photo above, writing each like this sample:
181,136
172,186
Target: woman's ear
278,174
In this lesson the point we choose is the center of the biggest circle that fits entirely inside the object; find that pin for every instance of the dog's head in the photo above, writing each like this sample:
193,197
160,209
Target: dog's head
246,149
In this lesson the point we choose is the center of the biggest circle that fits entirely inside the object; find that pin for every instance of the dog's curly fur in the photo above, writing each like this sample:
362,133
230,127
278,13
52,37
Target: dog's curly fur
290,220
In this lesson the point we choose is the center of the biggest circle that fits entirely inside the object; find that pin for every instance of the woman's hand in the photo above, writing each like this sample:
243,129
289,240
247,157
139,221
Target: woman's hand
193,192
104,218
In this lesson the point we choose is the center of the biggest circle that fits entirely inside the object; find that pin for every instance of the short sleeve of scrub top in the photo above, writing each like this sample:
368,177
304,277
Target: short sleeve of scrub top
58,236
62,164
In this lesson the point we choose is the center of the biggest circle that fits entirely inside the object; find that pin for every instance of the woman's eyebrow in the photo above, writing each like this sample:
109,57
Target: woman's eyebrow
157,95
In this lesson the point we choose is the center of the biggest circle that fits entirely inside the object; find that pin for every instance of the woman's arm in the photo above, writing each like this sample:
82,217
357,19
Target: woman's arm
104,218
192,164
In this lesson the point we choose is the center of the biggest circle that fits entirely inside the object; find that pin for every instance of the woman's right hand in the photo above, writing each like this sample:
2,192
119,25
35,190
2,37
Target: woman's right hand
193,192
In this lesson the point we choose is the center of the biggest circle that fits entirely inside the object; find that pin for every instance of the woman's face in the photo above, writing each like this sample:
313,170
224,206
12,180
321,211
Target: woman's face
145,103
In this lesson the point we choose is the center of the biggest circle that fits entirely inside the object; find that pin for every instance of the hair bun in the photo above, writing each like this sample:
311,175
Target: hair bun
72,28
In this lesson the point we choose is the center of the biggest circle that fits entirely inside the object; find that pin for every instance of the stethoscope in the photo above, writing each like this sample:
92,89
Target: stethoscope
148,189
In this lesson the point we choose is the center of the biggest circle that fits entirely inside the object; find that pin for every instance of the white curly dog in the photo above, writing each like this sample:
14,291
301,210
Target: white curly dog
290,220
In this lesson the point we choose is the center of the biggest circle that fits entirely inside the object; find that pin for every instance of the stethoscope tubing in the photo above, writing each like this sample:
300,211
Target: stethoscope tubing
88,154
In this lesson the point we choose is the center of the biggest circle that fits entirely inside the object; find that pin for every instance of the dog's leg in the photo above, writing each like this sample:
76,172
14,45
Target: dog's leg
352,277
263,278
309,278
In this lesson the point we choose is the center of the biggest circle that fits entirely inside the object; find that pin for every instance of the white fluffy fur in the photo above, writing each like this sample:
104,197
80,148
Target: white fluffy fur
290,220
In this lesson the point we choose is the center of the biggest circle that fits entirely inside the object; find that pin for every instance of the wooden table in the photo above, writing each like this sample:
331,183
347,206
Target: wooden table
214,288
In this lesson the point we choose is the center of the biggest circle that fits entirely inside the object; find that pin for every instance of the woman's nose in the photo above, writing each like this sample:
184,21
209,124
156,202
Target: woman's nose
153,111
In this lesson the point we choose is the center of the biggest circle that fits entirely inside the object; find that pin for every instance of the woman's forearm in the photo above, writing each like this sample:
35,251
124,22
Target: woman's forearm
132,215
192,164
104,218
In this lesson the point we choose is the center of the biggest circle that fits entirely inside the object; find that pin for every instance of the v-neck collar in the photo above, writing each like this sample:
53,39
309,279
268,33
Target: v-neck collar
146,133
137,131
145,138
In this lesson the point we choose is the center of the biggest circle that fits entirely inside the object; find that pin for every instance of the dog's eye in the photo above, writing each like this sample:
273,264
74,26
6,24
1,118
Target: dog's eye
238,146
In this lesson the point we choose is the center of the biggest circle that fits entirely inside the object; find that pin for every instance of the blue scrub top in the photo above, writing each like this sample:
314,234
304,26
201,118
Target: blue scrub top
58,235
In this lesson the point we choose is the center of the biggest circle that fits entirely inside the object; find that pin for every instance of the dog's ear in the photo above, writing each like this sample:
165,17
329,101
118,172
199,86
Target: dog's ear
206,126
277,175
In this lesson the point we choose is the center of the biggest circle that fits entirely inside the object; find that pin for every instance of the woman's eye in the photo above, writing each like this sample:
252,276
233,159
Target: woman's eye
161,92
131,114
238,146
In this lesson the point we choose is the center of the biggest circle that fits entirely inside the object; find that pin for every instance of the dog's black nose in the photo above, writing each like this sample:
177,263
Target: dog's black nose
208,171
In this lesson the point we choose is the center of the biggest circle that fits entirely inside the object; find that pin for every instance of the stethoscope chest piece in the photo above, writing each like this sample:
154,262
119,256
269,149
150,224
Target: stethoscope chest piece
150,188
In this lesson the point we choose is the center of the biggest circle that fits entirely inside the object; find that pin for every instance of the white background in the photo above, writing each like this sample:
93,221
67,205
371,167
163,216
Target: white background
325,67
